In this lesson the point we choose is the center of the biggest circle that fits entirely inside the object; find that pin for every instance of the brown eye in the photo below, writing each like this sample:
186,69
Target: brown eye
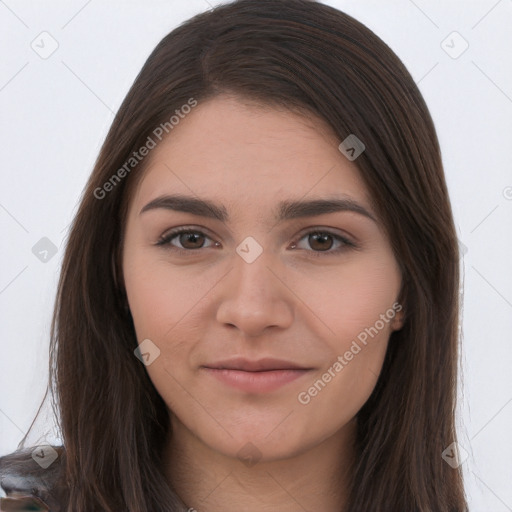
320,241
185,239
191,240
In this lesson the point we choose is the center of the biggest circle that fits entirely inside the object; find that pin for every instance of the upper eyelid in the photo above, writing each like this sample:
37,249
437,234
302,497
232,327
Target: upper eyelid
174,232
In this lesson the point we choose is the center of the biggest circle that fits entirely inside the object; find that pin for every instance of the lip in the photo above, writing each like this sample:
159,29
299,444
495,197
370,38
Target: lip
265,364
262,376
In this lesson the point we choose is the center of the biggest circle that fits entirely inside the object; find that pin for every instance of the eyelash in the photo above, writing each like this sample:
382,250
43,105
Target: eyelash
165,240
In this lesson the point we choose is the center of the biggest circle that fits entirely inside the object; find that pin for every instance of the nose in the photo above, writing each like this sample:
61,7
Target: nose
254,296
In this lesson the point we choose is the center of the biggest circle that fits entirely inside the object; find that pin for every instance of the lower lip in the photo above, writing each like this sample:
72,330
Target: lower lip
256,382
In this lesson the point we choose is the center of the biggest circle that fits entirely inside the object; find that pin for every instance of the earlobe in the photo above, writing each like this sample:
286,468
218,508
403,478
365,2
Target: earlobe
398,321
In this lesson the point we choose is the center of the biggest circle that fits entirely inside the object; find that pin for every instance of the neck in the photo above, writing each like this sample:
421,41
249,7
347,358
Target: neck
208,481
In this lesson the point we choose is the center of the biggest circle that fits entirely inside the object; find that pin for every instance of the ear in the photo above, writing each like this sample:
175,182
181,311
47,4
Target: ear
398,320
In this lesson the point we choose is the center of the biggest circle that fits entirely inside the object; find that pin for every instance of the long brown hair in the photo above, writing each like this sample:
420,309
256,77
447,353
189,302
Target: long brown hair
308,57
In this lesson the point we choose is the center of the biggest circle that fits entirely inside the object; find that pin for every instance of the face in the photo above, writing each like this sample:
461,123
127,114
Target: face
268,321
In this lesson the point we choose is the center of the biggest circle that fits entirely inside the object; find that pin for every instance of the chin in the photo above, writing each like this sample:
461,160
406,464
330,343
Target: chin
266,440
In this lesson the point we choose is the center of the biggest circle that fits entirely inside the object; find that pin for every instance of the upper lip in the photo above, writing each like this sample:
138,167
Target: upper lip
264,364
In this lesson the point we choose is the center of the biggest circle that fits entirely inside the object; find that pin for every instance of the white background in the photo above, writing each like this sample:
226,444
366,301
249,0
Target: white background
55,113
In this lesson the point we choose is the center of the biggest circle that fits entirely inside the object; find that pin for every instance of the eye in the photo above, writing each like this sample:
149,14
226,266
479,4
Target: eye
322,241
188,238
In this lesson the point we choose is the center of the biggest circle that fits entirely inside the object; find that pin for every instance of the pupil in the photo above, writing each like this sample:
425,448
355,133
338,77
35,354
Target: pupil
190,237
321,239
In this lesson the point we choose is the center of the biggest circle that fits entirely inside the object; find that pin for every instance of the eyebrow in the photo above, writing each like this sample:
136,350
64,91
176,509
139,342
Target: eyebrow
286,209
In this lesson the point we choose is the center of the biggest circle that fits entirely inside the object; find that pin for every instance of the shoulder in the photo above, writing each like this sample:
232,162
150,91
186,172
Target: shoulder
33,477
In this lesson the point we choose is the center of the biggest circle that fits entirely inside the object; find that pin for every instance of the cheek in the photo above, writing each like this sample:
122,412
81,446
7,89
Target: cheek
167,310
169,307
359,309
351,297
159,298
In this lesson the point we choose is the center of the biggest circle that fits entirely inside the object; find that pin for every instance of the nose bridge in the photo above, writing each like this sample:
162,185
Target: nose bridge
252,276
253,297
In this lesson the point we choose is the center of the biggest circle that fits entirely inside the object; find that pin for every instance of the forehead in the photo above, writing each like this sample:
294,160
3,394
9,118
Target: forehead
249,156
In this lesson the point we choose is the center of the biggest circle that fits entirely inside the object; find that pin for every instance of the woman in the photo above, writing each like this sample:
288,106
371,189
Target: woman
258,305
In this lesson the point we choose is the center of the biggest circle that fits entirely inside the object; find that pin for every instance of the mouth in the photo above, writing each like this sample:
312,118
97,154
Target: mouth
262,376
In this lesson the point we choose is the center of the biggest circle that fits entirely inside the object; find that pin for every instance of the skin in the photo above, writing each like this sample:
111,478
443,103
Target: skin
209,304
